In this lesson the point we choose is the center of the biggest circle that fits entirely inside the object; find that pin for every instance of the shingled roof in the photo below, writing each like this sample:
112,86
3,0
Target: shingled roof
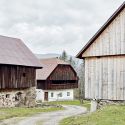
48,66
108,22
14,52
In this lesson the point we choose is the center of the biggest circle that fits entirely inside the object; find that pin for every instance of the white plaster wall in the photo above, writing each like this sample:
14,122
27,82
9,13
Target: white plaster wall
39,94
64,95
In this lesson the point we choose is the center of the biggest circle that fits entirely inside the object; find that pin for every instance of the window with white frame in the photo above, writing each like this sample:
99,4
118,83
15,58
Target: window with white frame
52,94
60,94
68,93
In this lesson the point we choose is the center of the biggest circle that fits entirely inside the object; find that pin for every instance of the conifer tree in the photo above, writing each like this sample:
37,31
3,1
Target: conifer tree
64,56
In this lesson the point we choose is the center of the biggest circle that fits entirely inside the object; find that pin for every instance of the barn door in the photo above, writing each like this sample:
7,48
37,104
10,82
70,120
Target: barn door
46,96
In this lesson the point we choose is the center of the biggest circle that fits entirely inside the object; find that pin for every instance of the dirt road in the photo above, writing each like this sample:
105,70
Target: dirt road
49,118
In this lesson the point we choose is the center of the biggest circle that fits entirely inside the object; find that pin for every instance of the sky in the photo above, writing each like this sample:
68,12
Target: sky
51,26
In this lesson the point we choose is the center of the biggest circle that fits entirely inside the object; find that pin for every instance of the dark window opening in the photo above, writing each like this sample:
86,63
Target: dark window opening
24,74
7,95
18,96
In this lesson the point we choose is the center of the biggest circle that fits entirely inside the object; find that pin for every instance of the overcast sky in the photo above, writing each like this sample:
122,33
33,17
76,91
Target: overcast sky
51,26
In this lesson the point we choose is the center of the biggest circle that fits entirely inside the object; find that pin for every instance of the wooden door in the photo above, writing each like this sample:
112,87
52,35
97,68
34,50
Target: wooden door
46,96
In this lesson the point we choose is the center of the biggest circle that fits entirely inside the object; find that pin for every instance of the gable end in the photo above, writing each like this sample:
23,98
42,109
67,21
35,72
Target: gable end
101,30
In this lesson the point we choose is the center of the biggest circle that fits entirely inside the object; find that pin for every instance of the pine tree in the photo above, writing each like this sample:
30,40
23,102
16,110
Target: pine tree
64,56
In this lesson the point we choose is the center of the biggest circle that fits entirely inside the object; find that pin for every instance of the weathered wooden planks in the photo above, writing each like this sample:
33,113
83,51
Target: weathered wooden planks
16,77
63,77
111,41
63,72
105,78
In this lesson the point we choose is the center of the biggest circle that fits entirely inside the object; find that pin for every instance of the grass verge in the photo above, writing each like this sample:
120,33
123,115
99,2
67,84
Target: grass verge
109,115
6,113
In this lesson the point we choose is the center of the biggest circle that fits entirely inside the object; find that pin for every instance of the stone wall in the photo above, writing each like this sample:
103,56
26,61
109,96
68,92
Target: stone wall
18,98
102,103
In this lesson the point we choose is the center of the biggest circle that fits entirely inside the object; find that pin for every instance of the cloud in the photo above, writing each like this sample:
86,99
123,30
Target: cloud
51,26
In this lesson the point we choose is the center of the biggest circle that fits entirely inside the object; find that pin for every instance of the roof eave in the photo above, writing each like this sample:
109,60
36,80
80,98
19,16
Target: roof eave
108,22
37,67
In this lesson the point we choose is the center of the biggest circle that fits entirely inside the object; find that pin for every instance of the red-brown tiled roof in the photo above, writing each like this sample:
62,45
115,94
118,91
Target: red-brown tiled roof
14,52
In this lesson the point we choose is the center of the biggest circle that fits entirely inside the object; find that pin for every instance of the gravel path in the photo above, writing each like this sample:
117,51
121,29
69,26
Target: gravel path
50,118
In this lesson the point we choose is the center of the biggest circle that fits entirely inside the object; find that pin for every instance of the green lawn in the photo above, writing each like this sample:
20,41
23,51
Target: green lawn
109,115
6,113
74,102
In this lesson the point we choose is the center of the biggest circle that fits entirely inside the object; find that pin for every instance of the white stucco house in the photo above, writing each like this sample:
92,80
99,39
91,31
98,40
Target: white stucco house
56,80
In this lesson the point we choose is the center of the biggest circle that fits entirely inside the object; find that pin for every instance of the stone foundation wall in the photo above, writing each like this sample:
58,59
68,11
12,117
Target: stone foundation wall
102,103
18,98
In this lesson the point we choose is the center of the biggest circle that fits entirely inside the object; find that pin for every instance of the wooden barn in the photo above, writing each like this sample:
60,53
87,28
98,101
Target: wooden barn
56,80
17,73
104,57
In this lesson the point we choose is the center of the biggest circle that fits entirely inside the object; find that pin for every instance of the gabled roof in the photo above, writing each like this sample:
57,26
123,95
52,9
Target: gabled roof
48,67
108,22
14,52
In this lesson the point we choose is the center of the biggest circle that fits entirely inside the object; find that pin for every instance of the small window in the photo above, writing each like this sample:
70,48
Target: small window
7,95
24,74
52,94
68,93
60,94
18,96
